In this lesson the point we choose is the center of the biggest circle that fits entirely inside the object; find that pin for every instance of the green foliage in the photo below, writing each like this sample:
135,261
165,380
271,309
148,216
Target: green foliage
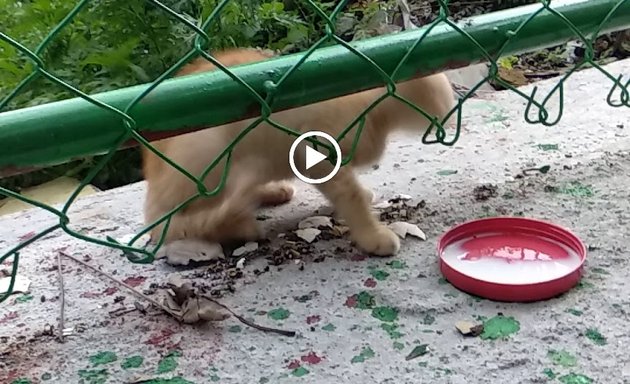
112,44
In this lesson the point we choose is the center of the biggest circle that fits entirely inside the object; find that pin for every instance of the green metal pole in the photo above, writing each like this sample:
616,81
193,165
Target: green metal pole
60,131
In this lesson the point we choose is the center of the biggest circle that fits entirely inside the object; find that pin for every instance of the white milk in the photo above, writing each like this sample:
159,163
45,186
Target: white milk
512,272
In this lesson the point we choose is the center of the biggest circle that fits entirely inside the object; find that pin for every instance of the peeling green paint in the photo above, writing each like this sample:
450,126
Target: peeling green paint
499,327
24,298
329,327
263,380
279,314
366,353
418,350
132,362
392,330
595,336
300,371
103,358
21,381
172,380
46,376
397,264
379,274
365,300
549,373
548,147
398,346
93,376
575,189
169,362
562,358
235,329
214,378
575,312
575,378
442,281
388,314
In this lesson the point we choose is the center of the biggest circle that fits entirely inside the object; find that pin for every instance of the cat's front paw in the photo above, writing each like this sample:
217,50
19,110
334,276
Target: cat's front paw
381,241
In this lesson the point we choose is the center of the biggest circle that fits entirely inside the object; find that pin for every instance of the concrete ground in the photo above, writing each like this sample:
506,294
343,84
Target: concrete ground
358,319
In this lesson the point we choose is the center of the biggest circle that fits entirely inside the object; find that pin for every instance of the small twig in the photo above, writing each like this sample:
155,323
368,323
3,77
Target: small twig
115,280
121,311
62,299
175,315
251,324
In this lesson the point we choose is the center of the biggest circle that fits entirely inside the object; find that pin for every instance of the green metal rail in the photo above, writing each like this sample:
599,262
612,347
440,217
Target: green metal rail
60,131
94,124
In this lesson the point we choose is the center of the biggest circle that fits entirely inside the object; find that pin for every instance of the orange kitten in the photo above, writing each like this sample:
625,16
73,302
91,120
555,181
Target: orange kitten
260,170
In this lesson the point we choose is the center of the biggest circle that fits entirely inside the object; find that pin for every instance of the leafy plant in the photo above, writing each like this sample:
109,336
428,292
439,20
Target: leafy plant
112,44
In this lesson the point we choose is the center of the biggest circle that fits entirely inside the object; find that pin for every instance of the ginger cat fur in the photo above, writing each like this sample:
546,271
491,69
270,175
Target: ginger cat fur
260,173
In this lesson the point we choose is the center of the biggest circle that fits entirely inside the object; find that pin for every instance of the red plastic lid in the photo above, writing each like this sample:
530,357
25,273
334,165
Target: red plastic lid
511,259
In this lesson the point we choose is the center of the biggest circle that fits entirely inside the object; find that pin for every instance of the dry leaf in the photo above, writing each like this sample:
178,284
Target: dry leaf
401,196
184,301
316,222
402,229
308,234
170,303
182,252
467,328
382,205
210,311
340,230
247,248
21,285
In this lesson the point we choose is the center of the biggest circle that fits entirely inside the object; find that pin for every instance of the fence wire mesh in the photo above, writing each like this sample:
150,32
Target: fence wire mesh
203,40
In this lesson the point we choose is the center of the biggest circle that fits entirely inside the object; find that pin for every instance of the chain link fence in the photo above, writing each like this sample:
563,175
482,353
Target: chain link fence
104,123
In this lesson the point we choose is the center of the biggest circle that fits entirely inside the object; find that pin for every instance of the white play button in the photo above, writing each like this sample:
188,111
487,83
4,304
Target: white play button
312,157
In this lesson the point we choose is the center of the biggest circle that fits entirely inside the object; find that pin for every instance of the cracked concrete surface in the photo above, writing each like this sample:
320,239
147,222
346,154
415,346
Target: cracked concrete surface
574,338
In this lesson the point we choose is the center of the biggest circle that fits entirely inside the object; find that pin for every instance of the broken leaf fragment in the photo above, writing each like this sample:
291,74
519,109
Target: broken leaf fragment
247,248
401,196
382,205
182,252
467,328
308,234
402,229
183,300
316,222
